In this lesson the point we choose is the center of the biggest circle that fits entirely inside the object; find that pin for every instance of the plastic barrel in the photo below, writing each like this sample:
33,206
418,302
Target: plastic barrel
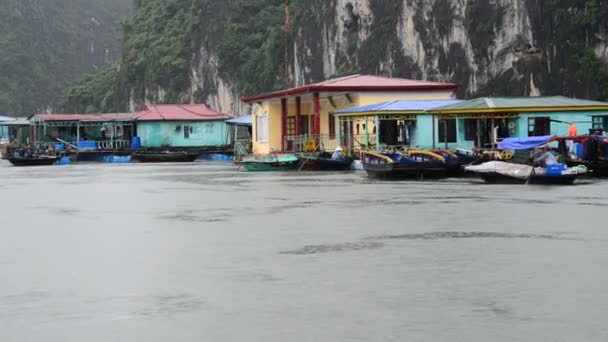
136,143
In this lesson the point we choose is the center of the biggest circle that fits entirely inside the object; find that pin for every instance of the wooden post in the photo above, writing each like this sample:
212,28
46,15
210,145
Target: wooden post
377,133
366,134
339,131
445,133
283,123
434,131
493,135
350,135
77,132
479,133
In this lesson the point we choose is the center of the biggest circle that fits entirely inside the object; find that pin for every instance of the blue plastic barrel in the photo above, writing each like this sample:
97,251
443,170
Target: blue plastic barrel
136,143
580,150
65,161
59,147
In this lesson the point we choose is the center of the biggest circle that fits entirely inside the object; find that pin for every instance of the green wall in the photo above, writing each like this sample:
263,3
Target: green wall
171,133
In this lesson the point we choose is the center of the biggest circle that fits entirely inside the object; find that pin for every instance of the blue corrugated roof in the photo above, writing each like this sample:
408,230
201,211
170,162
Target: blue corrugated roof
399,106
241,121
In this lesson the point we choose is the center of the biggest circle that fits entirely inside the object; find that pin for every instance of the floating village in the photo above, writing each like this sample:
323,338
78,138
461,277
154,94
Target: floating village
391,128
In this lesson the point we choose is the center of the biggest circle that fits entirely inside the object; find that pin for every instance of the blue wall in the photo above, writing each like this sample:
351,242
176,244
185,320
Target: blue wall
171,133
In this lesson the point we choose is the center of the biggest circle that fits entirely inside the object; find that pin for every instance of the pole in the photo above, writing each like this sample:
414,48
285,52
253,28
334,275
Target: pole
366,134
350,135
340,122
445,133
377,133
434,131
478,133
283,123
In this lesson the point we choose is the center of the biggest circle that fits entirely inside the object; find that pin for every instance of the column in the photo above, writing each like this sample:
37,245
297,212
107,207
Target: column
298,115
339,136
283,123
317,115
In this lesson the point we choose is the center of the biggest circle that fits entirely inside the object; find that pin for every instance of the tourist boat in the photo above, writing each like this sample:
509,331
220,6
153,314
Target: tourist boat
164,156
455,162
499,172
270,162
413,164
323,162
33,161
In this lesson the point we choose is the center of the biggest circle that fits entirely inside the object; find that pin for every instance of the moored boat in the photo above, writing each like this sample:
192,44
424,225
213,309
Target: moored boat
410,165
324,162
33,161
164,157
270,162
499,172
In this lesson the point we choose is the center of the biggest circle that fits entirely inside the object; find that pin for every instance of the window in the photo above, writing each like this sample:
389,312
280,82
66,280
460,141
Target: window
539,126
450,134
291,125
332,126
470,129
600,122
187,132
261,126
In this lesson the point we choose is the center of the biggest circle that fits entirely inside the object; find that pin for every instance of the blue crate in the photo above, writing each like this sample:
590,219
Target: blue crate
555,169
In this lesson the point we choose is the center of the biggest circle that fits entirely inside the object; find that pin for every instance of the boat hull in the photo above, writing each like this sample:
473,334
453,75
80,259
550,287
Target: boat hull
32,161
396,171
325,164
266,167
164,157
497,178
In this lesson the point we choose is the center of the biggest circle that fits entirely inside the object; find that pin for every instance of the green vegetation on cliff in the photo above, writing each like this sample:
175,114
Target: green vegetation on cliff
45,45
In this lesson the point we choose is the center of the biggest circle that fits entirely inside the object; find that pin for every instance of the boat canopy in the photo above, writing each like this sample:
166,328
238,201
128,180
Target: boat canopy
525,143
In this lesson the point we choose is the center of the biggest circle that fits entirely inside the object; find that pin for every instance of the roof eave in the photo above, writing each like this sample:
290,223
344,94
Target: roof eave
334,89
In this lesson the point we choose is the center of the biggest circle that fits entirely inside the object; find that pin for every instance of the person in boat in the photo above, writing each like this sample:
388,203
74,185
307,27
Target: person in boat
546,157
572,132
338,155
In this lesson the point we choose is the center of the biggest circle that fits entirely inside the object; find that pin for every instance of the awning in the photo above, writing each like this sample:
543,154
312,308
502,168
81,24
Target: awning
240,121
397,107
525,143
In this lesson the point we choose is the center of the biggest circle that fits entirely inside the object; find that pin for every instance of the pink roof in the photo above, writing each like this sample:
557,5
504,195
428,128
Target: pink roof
358,83
196,112
83,117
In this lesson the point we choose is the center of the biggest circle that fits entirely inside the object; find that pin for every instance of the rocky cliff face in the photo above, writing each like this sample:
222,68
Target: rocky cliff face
44,45
492,47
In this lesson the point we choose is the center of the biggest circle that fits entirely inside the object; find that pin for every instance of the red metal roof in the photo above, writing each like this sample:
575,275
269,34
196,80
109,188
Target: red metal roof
83,117
358,83
196,112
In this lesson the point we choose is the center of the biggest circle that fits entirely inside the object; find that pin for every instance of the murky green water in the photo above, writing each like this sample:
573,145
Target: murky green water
206,253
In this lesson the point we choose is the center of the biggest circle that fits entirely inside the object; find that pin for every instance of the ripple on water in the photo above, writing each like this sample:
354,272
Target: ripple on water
340,247
467,235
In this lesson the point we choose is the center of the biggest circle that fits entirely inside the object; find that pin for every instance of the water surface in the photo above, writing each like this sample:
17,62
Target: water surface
203,252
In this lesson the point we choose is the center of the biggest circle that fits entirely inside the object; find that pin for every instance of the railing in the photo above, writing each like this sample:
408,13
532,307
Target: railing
113,145
309,143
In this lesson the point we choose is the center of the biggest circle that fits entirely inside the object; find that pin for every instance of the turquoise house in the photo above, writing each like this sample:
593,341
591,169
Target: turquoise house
477,123
484,122
182,126
390,124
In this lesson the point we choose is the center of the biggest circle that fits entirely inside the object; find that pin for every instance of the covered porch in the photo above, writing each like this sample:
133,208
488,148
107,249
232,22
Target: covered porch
84,132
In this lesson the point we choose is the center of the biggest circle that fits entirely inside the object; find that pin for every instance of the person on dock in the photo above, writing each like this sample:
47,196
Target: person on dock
546,158
338,155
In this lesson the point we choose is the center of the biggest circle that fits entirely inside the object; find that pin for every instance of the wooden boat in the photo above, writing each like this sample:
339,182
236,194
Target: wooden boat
410,165
33,161
498,172
270,162
323,162
164,157
497,178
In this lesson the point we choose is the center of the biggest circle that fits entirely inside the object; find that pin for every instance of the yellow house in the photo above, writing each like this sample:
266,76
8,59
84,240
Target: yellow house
283,120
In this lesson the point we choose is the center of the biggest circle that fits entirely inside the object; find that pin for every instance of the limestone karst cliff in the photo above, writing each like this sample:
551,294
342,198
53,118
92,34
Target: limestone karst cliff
215,51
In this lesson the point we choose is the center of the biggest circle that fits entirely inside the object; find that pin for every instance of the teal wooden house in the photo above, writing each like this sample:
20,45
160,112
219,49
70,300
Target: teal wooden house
477,123
182,126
